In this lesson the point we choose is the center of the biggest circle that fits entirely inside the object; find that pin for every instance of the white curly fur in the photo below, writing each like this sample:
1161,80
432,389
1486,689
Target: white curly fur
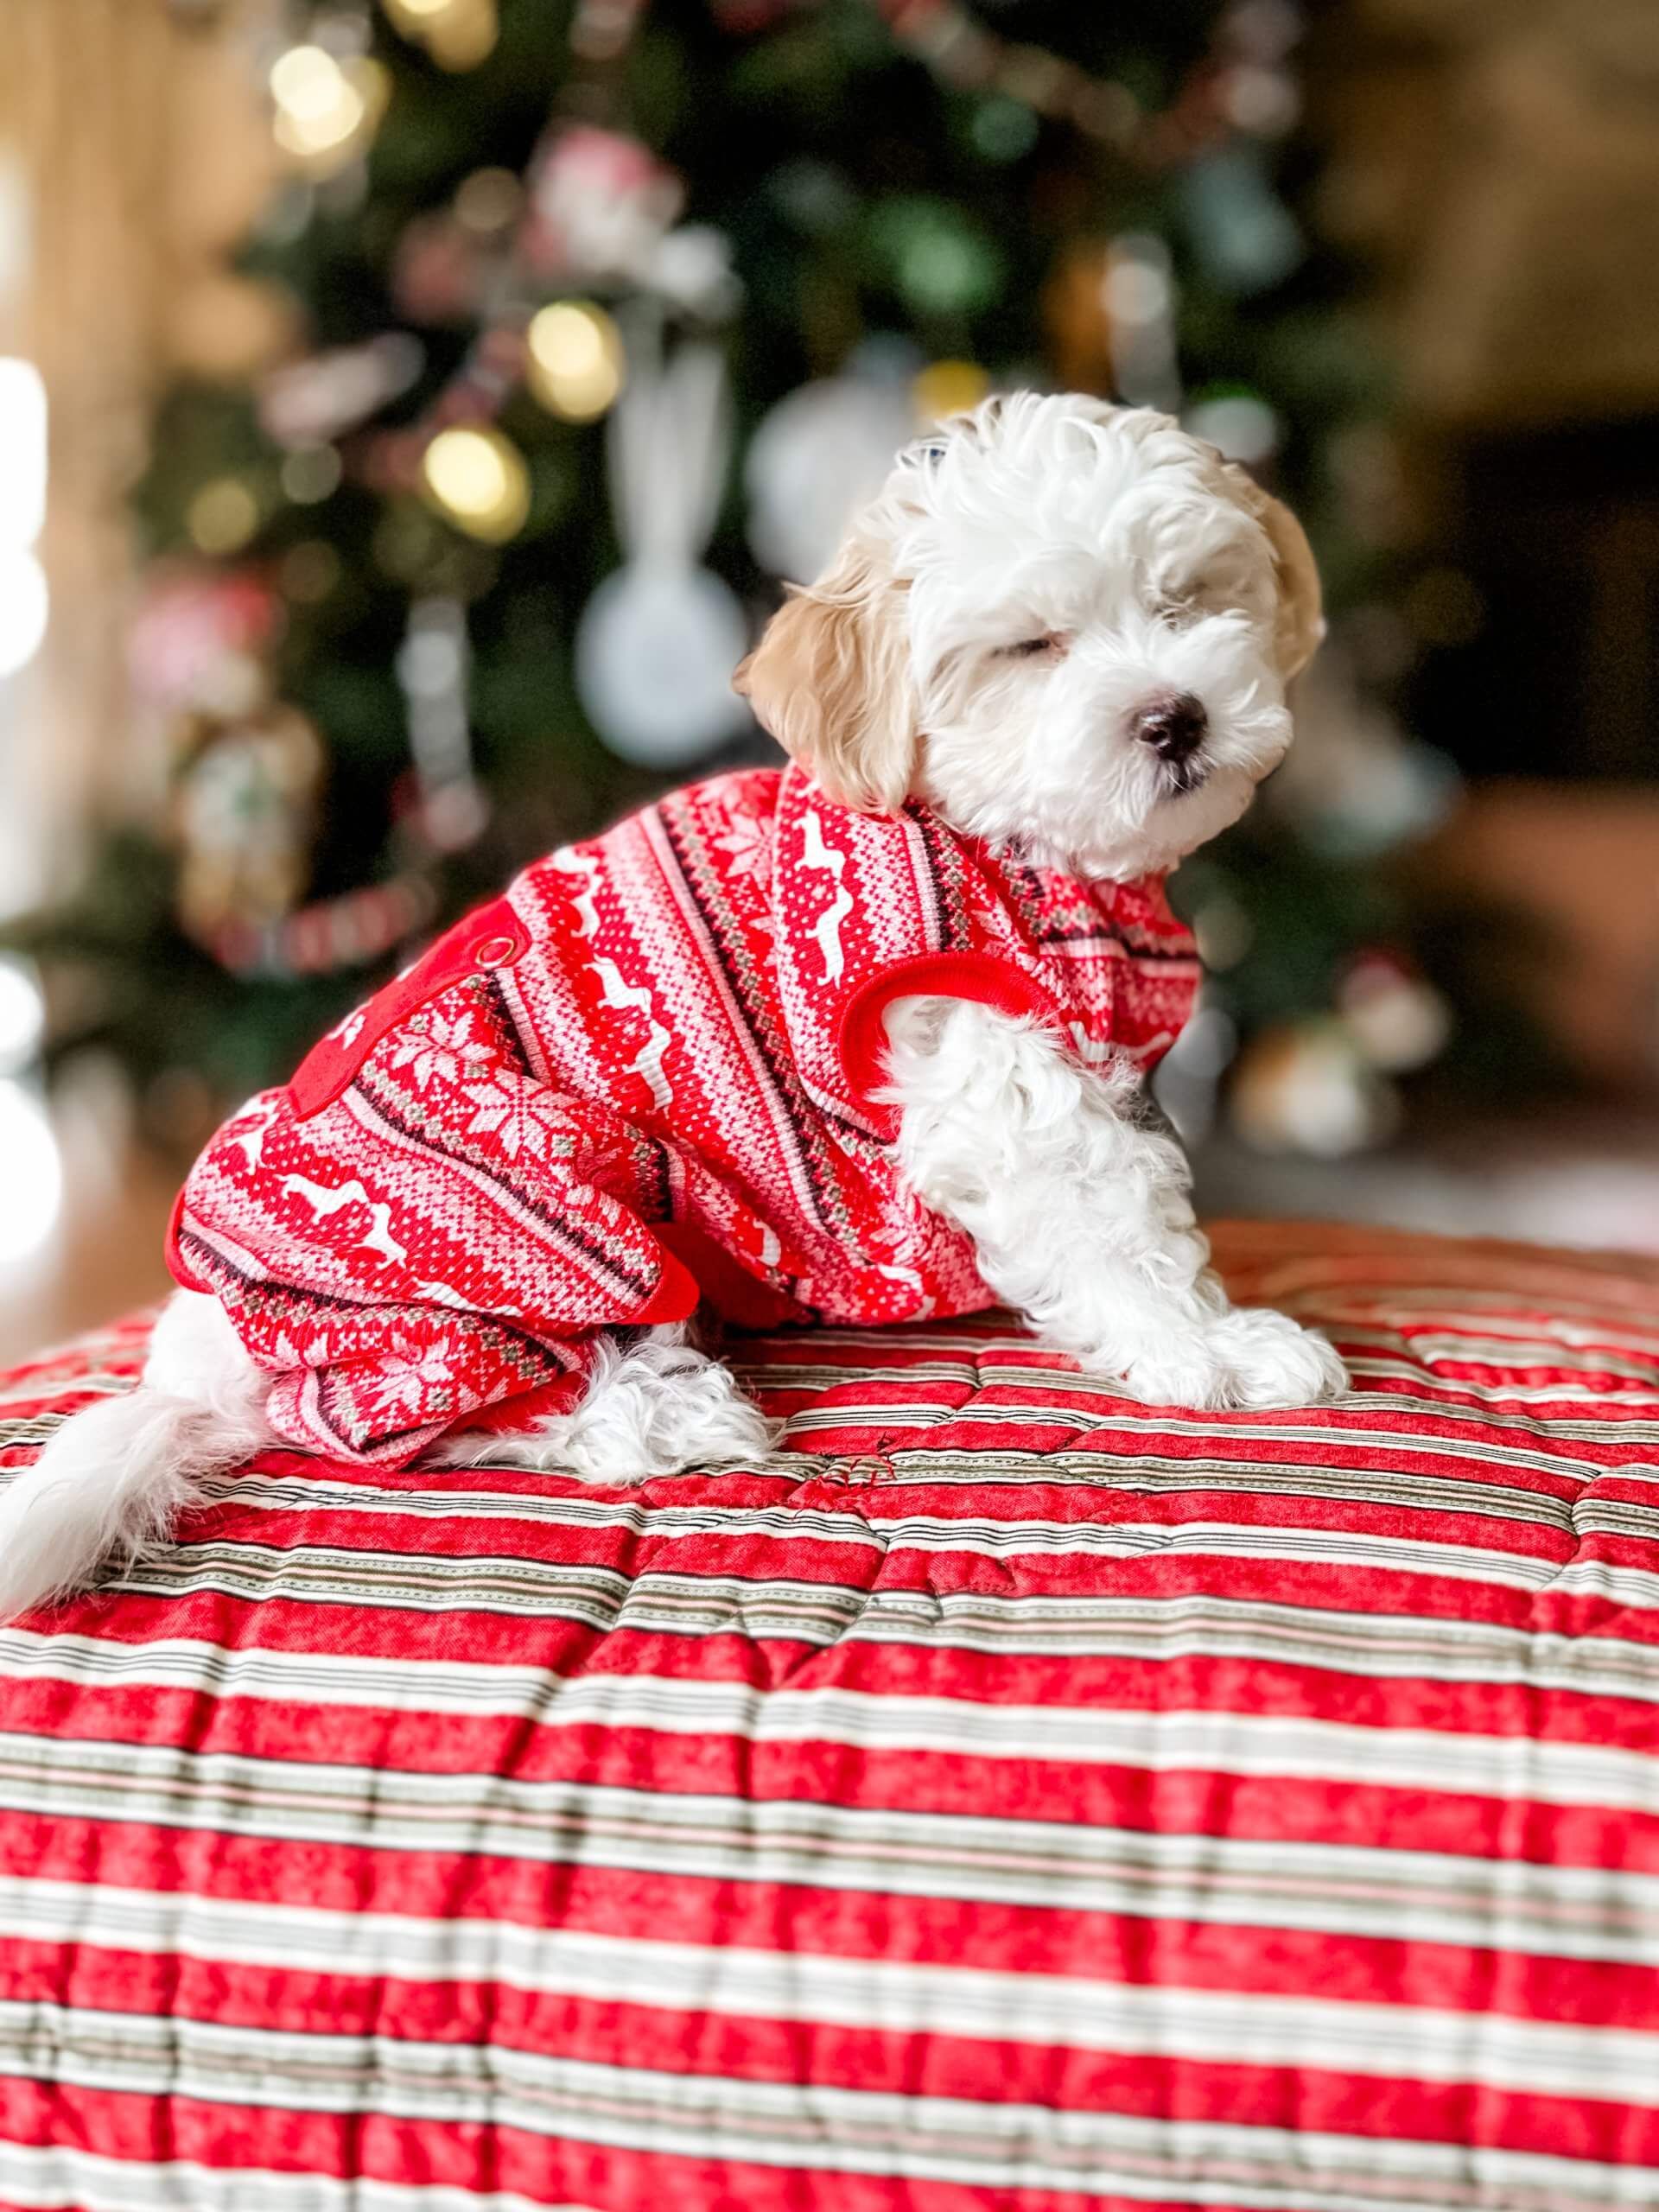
1029,580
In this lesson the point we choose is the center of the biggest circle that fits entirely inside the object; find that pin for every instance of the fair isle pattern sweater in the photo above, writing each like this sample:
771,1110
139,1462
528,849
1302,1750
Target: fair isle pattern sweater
643,1076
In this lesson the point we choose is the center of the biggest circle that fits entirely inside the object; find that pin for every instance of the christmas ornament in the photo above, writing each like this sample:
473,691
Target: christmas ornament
692,270
947,388
433,668
658,641
816,457
246,812
311,403
1306,1087
575,361
1397,1019
200,640
600,205
477,479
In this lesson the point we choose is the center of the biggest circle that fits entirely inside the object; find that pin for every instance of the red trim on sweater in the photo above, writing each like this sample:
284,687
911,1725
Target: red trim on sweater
493,937
677,1295
176,1263
863,1042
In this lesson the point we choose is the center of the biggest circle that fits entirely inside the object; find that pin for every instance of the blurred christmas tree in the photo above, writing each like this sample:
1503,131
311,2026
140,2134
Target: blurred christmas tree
610,310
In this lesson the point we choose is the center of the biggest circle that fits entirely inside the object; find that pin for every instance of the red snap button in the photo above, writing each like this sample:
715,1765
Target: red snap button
495,952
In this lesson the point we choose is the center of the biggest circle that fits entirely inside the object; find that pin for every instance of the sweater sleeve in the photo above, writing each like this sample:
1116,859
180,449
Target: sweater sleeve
440,1232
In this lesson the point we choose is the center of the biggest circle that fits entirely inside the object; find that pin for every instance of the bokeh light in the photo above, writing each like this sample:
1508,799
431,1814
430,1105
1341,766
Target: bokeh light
576,365
477,479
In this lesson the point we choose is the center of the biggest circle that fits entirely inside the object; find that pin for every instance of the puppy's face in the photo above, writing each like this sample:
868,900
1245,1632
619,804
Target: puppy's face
1068,626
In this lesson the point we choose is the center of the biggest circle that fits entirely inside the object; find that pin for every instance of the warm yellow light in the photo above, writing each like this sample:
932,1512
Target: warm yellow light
576,363
464,35
947,388
477,479
223,515
324,107
457,34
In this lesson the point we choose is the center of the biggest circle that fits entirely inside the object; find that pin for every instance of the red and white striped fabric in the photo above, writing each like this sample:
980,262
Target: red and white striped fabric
642,1074
1017,1801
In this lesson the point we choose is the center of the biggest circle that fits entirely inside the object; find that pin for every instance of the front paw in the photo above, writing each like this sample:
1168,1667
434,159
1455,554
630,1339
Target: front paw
1248,1356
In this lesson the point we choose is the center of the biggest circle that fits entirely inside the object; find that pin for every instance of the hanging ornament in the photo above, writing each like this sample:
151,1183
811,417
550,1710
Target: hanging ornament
477,479
200,640
313,402
691,268
327,107
433,668
246,811
947,388
816,456
658,641
575,361
1396,1016
598,205
1306,1087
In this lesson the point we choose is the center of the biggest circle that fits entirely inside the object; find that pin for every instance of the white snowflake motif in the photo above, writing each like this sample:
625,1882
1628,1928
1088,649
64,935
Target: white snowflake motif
748,845
518,1117
440,1045
318,1350
407,1382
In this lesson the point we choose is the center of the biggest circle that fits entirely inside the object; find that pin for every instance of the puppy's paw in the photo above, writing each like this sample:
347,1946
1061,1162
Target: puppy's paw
1247,1356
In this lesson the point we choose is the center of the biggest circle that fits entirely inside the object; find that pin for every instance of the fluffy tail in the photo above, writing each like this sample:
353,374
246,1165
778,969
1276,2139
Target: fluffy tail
113,1480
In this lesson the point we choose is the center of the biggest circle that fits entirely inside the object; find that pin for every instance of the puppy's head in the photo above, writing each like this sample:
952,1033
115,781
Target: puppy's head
1067,625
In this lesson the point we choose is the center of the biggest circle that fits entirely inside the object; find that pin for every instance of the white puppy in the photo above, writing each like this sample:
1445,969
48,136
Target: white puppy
1067,628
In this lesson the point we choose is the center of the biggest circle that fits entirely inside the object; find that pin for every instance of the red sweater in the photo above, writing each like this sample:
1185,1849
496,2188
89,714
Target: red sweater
643,1074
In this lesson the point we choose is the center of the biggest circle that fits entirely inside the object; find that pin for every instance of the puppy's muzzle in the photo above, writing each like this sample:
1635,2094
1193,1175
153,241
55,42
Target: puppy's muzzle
1173,725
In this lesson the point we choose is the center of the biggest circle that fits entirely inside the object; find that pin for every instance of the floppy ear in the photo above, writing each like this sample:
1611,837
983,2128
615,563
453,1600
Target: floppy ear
830,679
1300,623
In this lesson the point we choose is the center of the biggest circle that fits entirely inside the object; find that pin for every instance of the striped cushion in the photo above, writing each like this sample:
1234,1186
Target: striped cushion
1025,1799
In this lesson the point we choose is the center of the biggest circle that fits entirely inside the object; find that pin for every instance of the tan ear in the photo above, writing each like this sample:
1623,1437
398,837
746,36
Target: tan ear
1301,626
830,679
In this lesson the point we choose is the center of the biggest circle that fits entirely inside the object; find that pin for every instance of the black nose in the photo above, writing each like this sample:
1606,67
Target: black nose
1173,726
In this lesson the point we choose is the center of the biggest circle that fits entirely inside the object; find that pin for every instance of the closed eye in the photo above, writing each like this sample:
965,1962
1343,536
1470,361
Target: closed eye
1050,643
